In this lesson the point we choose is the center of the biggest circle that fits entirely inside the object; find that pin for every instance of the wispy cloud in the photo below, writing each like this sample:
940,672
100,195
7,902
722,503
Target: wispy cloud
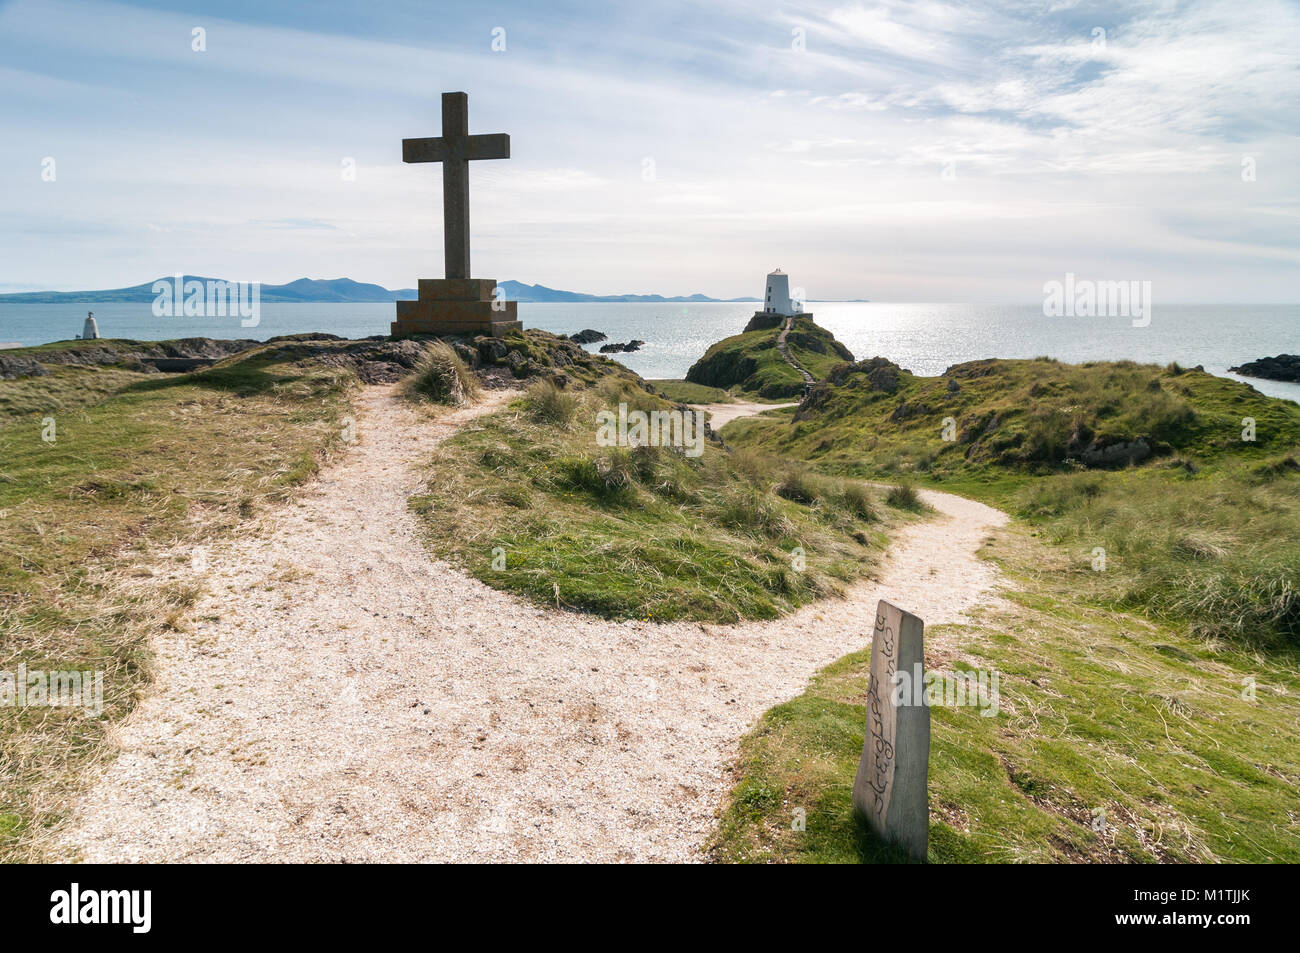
871,147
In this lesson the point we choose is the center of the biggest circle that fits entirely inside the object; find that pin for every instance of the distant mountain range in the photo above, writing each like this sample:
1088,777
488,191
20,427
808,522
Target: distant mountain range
306,290
518,291
302,290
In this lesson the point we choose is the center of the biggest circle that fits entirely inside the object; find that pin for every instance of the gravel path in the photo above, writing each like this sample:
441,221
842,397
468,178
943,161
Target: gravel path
356,701
722,414
786,327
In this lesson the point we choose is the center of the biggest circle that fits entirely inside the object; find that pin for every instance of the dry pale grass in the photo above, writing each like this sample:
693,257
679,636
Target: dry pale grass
133,482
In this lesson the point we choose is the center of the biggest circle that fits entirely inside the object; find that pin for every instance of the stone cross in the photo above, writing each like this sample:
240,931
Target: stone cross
890,790
454,149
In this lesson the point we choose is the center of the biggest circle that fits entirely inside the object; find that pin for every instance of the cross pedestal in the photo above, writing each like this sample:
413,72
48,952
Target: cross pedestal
457,304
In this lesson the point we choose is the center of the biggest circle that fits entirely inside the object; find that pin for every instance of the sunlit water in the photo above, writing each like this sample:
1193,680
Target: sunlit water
924,338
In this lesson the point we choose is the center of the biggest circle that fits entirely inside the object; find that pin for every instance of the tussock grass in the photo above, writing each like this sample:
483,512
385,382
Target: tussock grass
645,532
1216,550
904,497
142,465
801,485
63,389
548,404
442,377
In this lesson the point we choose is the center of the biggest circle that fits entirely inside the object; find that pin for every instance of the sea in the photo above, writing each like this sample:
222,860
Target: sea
924,338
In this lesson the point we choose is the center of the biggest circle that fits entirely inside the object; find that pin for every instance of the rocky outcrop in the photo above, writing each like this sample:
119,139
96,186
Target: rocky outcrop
588,336
12,368
876,374
762,321
723,367
379,359
1284,367
628,348
182,354
373,360
1112,456
805,340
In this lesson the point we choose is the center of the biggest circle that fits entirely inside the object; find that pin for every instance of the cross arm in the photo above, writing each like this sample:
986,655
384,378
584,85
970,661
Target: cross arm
424,150
492,146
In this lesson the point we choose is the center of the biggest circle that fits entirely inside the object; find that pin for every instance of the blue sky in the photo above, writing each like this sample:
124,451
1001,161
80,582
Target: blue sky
897,151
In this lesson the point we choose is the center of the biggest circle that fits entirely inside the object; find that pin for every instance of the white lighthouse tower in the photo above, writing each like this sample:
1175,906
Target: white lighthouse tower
777,300
778,309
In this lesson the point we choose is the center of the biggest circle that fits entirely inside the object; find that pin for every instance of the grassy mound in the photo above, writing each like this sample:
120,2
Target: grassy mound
527,501
751,363
528,354
1020,417
1200,527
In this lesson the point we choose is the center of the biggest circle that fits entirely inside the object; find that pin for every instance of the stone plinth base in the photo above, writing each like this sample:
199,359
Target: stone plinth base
456,306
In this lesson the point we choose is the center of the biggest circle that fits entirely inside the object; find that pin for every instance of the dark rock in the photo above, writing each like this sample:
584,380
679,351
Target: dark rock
496,378
627,348
1284,367
376,372
909,411
875,374
1118,454
879,374
973,369
375,361
181,355
762,321
467,354
588,336
817,344
491,350
11,368
317,336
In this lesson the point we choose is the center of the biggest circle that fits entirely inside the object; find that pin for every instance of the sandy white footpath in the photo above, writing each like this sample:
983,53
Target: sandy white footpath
357,701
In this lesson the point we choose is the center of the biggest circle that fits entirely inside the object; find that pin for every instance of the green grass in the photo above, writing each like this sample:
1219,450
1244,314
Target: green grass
140,463
1122,682
1016,418
1205,532
62,389
645,533
1099,712
1215,548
